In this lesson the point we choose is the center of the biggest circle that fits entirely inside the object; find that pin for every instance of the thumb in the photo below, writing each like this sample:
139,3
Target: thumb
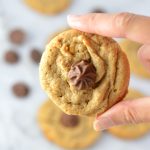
125,112
144,56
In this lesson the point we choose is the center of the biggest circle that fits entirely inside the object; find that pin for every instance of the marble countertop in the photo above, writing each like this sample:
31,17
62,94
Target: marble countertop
18,124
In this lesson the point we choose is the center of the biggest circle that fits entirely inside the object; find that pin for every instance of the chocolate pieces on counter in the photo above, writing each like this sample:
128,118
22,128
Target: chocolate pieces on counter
20,89
36,55
17,36
11,57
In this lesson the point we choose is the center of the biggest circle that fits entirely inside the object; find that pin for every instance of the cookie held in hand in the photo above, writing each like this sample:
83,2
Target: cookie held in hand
84,74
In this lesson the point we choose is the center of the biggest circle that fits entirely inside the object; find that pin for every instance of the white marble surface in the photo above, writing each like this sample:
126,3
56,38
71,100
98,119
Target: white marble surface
18,125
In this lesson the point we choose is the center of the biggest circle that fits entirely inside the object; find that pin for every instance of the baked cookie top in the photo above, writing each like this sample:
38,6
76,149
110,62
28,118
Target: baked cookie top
48,6
131,131
66,130
131,49
84,73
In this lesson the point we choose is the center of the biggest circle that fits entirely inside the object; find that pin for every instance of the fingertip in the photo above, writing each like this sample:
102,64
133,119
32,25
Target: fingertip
96,125
73,21
140,53
102,123
71,17
144,55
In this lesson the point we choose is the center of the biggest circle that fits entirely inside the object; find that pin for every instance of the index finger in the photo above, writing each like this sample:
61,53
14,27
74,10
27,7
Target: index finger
127,25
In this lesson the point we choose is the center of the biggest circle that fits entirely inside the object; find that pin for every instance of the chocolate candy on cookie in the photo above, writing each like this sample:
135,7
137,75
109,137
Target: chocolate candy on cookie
68,131
69,120
83,73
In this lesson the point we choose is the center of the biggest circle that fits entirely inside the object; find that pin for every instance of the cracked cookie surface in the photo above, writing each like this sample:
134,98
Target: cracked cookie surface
111,68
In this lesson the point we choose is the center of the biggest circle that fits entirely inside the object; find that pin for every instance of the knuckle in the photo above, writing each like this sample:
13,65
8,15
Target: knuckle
92,21
123,20
129,113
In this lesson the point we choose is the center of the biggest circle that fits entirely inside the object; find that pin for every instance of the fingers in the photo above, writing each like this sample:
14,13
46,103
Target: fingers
125,112
134,27
144,56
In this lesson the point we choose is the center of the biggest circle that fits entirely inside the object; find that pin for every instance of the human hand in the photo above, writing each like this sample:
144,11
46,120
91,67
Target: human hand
127,25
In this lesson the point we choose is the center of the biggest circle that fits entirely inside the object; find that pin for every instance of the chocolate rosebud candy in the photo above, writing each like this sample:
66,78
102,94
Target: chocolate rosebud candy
69,120
82,75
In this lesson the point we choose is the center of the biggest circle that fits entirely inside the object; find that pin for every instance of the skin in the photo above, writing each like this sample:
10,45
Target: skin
124,25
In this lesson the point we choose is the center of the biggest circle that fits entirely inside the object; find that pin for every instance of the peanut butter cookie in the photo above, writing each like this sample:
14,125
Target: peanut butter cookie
48,6
65,130
84,74
131,48
131,131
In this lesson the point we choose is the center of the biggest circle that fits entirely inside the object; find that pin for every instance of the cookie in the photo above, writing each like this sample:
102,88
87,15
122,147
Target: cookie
49,7
11,57
35,55
84,74
131,49
17,36
20,89
67,131
131,131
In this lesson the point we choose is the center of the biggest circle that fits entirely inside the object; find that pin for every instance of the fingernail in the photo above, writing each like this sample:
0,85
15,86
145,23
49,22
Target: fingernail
144,56
103,123
74,20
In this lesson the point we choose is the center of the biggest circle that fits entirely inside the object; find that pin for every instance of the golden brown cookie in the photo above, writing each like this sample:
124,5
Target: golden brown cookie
48,6
131,131
83,73
67,131
131,48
